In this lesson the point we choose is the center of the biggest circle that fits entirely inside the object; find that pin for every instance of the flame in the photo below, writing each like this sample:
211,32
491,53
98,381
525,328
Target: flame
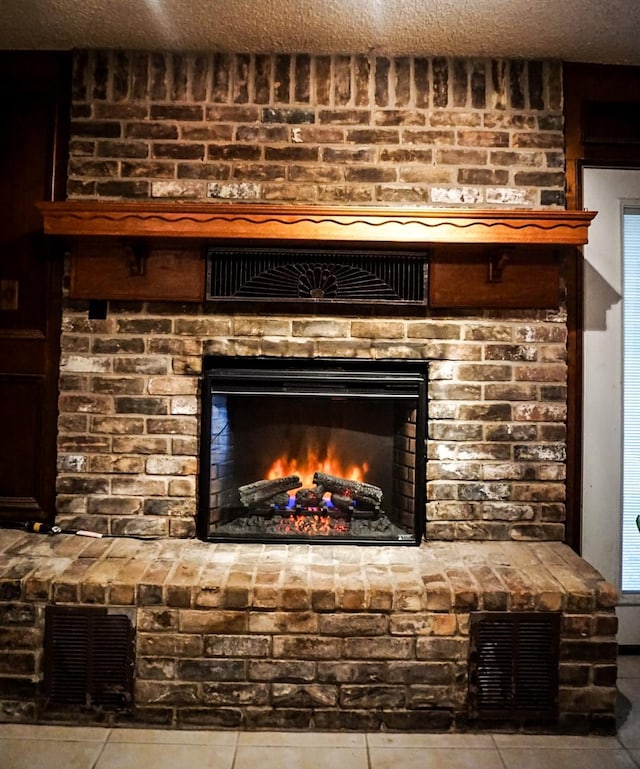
312,463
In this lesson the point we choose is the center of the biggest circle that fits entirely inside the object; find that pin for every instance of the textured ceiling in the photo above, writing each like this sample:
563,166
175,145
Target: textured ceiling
601,31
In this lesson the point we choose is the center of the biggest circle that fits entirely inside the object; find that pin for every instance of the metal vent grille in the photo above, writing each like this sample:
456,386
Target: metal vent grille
88,658
314,276
513,666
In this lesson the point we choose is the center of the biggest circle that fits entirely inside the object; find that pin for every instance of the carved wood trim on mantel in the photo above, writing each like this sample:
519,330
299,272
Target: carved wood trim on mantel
276,222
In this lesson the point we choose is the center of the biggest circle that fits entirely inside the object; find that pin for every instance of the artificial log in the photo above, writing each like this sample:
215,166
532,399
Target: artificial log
258,491
342,502
311,497
354,504
279,500
358,490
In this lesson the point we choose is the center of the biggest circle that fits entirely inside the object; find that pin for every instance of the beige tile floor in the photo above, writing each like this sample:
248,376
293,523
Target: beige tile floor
58,747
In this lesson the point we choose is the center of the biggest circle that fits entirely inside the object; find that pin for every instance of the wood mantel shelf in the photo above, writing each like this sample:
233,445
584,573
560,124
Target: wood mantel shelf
150,250
151,219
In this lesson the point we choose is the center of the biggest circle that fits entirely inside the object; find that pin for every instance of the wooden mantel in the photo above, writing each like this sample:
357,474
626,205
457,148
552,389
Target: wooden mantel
151,219
149,250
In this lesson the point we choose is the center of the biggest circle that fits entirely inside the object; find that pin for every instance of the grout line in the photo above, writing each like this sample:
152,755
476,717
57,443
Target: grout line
100,754
235,753
632,759
499,752
367,750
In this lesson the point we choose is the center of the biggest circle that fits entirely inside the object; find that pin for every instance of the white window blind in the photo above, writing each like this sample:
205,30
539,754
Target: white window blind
631,401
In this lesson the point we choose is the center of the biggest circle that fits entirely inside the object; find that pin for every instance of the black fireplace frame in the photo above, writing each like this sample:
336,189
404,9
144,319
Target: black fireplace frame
380,378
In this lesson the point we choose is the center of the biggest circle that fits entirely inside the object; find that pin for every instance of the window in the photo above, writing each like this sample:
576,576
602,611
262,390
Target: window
631,400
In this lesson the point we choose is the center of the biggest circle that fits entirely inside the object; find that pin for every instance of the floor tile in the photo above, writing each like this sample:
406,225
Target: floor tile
123,755
565,758
173,737
629,666
558,741
45,732
48,754
288,757
413,740
434,758
303,739
629,715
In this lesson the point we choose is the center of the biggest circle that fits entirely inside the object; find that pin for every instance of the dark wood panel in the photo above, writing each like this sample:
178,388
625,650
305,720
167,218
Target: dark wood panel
33,93
469,277
601,105
23,355
22,411
24,166
115,271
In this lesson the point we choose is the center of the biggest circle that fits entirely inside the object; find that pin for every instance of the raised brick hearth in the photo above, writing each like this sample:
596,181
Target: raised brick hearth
299,637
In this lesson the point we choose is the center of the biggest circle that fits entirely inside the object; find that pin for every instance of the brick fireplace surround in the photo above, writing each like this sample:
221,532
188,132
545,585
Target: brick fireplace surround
302,636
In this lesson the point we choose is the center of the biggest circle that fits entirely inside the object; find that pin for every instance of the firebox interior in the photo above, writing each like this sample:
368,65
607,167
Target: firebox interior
312,451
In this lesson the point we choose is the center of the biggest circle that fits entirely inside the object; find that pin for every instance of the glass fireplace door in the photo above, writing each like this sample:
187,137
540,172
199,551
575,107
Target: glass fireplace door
320,452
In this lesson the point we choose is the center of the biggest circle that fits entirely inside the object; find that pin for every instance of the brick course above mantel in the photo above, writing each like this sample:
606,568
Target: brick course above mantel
326,130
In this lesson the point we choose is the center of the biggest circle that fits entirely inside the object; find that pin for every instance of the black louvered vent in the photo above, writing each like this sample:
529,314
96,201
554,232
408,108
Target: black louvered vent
513,666
301,275
88,658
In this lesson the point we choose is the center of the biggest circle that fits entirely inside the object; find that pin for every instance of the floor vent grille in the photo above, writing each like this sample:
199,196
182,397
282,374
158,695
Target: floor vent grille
89,658
513,666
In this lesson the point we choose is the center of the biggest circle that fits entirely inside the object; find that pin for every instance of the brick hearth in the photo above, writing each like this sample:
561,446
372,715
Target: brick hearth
254,636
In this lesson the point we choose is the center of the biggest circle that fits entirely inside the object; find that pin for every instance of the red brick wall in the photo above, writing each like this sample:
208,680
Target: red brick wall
340,130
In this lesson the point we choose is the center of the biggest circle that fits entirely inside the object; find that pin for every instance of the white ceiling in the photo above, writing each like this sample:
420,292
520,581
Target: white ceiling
601,31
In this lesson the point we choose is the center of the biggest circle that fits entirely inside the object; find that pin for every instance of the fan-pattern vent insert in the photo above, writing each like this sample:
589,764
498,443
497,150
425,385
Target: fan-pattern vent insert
304,275
513,666
88,658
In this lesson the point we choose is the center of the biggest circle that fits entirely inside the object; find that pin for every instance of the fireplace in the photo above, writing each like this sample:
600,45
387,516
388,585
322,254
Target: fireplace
312,451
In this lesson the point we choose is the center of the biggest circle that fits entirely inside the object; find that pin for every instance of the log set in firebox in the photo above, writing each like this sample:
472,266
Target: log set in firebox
328,492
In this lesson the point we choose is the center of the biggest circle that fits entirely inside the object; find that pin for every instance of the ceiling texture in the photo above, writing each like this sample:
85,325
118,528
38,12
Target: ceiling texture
596,31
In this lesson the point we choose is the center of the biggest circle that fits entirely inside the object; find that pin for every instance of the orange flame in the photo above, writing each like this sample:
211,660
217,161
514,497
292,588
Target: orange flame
312,463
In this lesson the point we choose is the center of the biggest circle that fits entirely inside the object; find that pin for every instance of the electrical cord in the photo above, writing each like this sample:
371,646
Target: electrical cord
35,526
52,530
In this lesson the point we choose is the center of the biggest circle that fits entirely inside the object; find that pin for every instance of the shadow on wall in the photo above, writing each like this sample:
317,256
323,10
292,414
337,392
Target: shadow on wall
623,709
602,297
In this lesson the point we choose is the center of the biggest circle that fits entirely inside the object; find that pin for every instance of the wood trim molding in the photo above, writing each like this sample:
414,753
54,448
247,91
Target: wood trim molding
265,222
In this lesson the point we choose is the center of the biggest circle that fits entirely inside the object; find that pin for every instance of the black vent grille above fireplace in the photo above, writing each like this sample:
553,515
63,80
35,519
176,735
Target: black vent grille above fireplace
300,275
